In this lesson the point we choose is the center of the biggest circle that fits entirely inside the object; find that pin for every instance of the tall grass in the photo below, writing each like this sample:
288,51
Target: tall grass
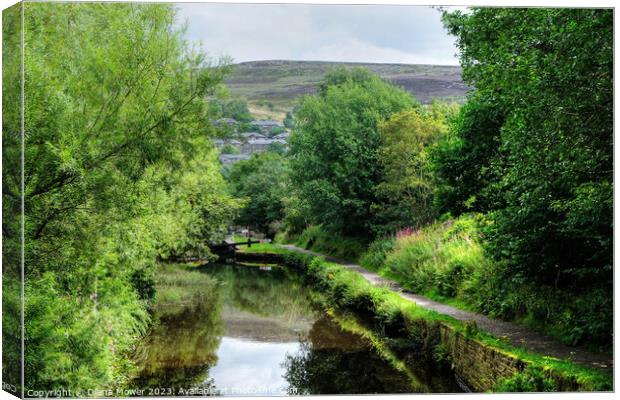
447,262
442,258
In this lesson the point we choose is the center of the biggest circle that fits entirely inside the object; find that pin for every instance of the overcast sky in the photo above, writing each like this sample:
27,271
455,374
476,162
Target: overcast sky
382,34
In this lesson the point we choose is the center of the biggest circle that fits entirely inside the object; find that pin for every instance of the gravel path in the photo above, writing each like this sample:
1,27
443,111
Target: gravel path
517,335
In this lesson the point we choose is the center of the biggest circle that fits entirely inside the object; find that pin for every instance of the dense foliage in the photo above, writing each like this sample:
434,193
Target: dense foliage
261,181
538,138
467,164
235,108
334,161
405,193
11,206
119,172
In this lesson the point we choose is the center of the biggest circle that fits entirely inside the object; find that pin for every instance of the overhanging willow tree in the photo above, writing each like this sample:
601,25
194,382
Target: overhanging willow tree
119,170
107,86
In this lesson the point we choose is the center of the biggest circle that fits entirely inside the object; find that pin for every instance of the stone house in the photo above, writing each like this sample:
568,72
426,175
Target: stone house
247,136
267,125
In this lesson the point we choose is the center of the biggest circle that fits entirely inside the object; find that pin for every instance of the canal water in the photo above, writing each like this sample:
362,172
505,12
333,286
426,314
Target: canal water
232,330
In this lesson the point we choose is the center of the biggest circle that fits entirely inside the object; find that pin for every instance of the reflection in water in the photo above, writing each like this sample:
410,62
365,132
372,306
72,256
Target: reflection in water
332,361
181,347
269,293
240,330
248,367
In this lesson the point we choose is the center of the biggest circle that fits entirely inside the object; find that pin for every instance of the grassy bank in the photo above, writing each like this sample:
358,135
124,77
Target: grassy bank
446,261
317,239
405,324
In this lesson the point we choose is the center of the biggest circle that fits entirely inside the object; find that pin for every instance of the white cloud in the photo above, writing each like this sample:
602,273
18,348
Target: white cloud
383,34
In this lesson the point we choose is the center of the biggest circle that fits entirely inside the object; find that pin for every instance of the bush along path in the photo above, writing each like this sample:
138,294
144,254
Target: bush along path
517,335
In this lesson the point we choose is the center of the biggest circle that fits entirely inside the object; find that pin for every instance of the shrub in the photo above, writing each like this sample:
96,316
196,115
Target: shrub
318,239
374,257
80,335
276,130
530,380
229,149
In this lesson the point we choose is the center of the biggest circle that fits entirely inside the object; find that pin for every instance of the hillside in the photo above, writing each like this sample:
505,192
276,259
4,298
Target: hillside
273,87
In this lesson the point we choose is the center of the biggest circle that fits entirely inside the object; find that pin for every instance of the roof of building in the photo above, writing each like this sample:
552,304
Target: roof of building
250,134
261,141
266,122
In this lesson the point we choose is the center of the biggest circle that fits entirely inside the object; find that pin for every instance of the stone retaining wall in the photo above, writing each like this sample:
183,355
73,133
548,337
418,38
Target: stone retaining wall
480,366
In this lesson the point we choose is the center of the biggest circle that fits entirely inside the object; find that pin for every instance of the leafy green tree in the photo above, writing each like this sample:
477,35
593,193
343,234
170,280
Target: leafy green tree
334,147
262,180
467,163
119,173
12,329
405,194
194,204
114,108
557,136
550,71
235,108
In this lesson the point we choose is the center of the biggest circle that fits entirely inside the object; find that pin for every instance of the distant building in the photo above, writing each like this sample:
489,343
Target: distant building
247,136
219,143
256,145
282,136
267,125
226,121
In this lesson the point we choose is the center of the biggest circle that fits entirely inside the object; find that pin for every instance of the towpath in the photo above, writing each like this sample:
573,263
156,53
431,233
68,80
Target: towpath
518,335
